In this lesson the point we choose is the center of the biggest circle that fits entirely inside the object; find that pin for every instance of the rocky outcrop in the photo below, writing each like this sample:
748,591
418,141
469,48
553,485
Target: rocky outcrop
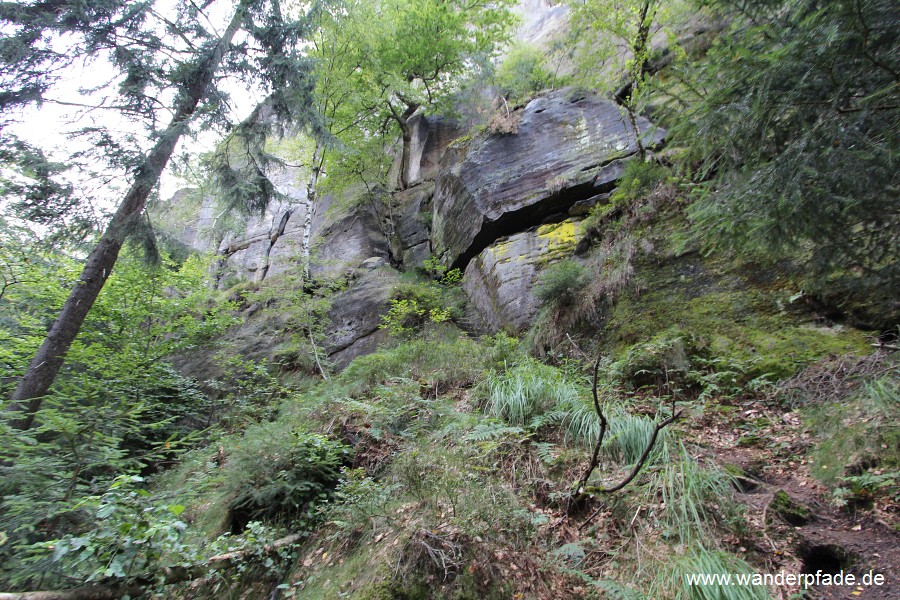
499,281
541,20
355,314
570,148
247,255
501,206
414,224
430,137
272,245
348,242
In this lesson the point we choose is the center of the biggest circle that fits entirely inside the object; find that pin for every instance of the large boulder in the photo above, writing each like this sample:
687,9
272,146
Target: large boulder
499,281
570,148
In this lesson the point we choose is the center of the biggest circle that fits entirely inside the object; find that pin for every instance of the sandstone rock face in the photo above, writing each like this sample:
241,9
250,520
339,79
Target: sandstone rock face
356,315
247,255
272,245
499,281
502,207
541,19
569,148
285,251
413,226
430,138
348,242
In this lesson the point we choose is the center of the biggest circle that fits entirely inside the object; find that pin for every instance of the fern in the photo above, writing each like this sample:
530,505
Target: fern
492,430
546,452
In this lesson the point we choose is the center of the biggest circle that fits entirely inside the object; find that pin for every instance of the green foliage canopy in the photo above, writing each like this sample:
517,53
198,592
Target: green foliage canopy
793,116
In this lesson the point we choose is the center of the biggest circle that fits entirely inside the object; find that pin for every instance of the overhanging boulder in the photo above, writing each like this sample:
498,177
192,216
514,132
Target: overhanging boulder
570,147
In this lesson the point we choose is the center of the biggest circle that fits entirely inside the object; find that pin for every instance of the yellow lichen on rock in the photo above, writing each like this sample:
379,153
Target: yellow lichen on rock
560,235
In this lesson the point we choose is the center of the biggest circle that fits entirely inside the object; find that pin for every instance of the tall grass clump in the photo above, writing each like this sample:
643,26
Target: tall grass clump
672,579
688,490
627,434
528,390
560,284
630,435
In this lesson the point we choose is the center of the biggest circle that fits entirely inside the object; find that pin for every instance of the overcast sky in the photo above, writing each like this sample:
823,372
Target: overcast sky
48,126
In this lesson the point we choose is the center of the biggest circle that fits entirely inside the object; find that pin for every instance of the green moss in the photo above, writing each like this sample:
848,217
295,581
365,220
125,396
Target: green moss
788,509
720,319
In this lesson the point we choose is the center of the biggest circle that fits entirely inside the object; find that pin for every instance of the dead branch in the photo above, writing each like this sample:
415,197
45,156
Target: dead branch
583,489
640,463
170,575
446,555
595,457
834,379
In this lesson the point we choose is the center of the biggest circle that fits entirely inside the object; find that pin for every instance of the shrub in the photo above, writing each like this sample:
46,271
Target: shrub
134,532
460,361
639,179
560,283
661,360
523,73
440,273
278,471
414,305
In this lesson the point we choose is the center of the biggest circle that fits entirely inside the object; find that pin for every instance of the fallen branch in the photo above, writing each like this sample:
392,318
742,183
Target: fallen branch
170,575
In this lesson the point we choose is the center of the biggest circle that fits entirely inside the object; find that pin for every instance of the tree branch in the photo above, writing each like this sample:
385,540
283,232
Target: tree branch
583,489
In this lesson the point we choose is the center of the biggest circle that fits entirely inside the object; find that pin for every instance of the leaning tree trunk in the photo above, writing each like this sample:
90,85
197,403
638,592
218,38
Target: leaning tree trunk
641,51
46,364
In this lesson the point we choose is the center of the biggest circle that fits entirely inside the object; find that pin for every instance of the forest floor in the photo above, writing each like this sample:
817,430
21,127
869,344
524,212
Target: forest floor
813,534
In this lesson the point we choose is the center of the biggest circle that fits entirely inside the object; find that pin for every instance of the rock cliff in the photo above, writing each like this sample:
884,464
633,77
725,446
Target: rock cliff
498,206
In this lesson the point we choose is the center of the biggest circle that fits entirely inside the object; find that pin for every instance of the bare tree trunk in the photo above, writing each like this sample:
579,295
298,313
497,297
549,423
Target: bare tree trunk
641,51
312,195
402,120
404,157
50,357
